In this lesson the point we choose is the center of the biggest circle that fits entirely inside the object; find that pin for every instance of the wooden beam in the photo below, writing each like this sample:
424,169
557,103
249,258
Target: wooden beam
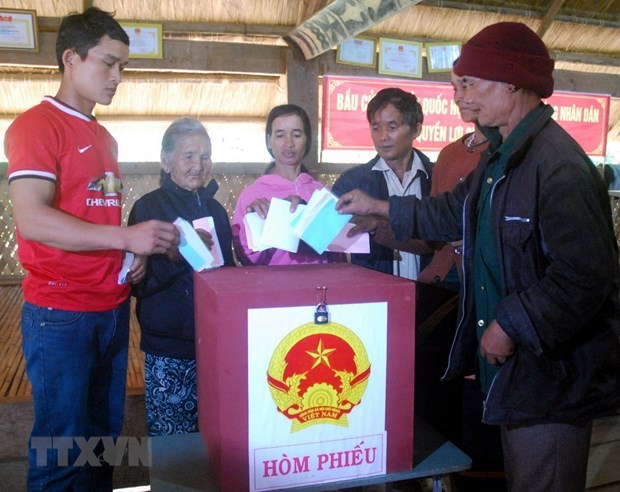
172,29
565,80
46,57
192,56
507,9
549,16
312,7
587,59
598,83
179,56
302,82
39,75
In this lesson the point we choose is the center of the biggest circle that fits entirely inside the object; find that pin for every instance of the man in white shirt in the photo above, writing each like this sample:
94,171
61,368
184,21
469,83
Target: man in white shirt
395,118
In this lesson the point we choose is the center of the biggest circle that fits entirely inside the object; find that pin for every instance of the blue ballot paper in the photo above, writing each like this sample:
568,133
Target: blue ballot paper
320,223
192,248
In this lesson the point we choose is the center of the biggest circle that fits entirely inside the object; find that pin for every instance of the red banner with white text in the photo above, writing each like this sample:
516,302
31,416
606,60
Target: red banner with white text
584,116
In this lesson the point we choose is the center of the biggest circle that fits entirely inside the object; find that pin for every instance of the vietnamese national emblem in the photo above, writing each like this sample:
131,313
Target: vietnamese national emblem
318,374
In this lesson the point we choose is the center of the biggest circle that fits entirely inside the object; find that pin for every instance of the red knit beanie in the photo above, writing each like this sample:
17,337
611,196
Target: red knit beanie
508,52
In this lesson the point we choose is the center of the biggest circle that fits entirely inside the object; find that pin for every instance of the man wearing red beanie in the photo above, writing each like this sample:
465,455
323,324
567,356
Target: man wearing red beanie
539,315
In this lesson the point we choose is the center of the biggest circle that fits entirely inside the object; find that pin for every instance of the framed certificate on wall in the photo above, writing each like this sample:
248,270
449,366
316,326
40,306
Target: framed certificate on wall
359,51
441,56
145,40
18,30
400,57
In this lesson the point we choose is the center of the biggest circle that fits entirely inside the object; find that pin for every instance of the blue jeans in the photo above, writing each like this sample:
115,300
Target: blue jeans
77,365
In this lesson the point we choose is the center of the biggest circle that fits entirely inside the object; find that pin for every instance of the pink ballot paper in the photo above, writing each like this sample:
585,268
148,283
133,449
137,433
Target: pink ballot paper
360,243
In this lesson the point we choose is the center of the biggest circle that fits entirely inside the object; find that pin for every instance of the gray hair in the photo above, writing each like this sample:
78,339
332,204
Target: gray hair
179,129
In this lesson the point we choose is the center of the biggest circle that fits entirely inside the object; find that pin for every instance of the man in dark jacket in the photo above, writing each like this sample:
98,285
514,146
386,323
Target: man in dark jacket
541,282
395,119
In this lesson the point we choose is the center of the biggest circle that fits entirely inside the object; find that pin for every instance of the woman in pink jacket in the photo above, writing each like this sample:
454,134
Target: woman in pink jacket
288,136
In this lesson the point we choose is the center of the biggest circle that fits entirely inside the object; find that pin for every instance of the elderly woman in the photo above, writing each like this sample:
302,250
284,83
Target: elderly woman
165,299
288,136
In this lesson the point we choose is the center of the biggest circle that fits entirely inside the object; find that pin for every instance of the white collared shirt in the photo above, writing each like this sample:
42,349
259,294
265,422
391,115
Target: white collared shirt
408,266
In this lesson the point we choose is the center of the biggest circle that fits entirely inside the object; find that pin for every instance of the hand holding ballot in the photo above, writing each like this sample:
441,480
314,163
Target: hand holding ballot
261,205
191,246
274,230
317,224
359,203
365,223
199,246
205,236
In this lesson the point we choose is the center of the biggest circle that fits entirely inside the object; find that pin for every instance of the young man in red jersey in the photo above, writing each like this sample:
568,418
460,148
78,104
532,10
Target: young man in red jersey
65,187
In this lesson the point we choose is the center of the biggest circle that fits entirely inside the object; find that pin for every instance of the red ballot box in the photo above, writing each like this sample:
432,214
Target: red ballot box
289,396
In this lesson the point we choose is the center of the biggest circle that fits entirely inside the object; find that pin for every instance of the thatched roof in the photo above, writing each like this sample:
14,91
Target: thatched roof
228,59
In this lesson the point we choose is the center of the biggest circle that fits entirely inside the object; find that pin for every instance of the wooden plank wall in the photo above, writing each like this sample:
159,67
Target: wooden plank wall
604,460
14,384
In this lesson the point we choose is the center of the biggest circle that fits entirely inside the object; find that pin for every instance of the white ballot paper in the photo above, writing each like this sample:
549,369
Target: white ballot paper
254,226
277,231
126,267
192,248
207,224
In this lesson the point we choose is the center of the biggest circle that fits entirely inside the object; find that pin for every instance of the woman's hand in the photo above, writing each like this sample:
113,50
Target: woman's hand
260,206
295,201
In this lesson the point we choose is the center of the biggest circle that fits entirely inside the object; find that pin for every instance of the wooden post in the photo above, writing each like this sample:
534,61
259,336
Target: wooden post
302,84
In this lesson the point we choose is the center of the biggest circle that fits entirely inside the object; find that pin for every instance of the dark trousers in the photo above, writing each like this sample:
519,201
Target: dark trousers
437,402
546,457
482,443
454,408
